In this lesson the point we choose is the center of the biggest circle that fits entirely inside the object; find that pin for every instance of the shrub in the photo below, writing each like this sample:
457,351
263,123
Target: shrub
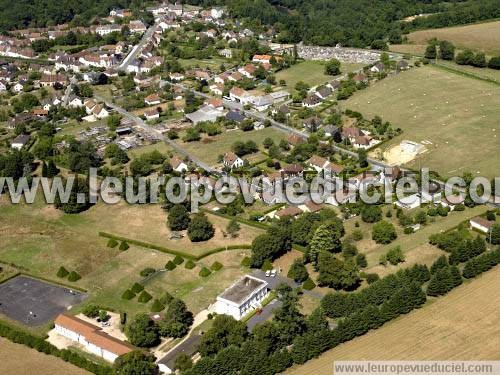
62,272
112,243
144,297
178,260
408,230
124,246
157,306
170,265
190,265
166,299
137,288
204,272
395,255
267,266
384,232
372,277
357,235
309,284
90,311
123,318
246,262
74,276
128,295
216,266
147,271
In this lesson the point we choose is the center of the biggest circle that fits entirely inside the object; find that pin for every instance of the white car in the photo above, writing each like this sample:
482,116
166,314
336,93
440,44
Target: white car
268,273
273,273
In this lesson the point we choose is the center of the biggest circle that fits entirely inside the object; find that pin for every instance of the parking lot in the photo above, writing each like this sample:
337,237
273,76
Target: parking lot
34,302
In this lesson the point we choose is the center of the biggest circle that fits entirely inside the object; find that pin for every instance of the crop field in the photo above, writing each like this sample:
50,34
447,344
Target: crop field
456,116
310,72
482,36
463,325
11,354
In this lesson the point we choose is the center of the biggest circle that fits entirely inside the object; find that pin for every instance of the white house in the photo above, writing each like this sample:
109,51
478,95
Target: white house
178,165
409,202
481,224
91,337
231,160
242,297
239,95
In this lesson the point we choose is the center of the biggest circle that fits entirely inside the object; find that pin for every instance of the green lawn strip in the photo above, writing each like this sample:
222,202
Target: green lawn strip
465,74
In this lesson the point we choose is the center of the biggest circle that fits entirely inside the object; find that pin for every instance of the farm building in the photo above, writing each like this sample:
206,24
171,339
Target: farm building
481,224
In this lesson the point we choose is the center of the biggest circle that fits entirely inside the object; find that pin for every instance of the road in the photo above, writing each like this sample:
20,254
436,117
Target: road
157,134
138,47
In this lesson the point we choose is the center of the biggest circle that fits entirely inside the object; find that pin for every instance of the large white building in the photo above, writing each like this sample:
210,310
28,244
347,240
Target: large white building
241,297
91,337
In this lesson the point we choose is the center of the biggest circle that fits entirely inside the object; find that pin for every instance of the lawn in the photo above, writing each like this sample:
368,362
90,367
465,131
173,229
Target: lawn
11,355
457,115
482,36
310,72
484,73
209,148
463,325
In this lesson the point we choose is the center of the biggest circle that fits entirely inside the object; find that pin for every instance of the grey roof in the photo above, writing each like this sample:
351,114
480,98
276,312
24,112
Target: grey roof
205,113
21,139
242,289
235,116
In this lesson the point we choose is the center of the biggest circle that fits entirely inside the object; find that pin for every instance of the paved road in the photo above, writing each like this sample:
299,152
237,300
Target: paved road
138,47
157,134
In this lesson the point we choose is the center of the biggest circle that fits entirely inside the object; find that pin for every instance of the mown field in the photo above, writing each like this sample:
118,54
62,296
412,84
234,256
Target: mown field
21,360
482,36
463,325
458,115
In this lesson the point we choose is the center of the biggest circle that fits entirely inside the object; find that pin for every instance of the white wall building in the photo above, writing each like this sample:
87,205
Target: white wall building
241,297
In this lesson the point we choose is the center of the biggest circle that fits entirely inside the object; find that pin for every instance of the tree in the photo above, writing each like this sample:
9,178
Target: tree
494,63
395,255
332,67
135,362
74,205
465,57
298,271
384,232
232,228
326,238
479,60
337,274
142,332
446,50
177,321
225,331
362,158
361,261
91,311
440,283
371,213
200,229
183,362
431,52
495,234
441,262
178,217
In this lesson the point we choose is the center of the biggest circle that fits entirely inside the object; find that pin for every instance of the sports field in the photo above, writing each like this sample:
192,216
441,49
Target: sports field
19,359
463,325
456,116
482,36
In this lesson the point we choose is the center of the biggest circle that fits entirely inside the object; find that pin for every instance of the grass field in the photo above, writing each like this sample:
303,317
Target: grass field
482,36
457,114
19,359
310,72
484,73
463,325
209,148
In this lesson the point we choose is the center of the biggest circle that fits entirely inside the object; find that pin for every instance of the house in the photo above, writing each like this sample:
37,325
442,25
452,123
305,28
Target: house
17,87
226,52
231,160
20,141
265,59
324,92
311,101
217,89
217,13
248,70
295,140
288,212
261,103
333,169
100,112
377,68
292,170
235,77
91,337
402,65
239,95
360,77
390,174
242,297
137,26
481,224
310,206
334,85
432,194
318,163
75,102
52,80
151,114
215,103
152,99
312,124
3,86
280,96
409,202
235,116
107,29
222,78
331,130
40,113
204,114
364,141
176,77
452,201
178,165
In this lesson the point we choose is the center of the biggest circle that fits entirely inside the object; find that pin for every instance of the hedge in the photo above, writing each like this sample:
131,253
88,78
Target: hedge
147,271
18,336
144,297
308,284
157,306
204,272
128,295
481,263
190,265
216,266
178,260
124,246
137,288
170,265
62,272
74,276
246,262
112,243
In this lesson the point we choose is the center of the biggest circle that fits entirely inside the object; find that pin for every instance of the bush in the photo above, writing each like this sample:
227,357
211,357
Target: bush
128,295
157,306
216,266
267,266
204,272
357,235
124,246
170,265
384,232
395,255
166,299
137,288
372,277
408,230
147,271
90,311
74,276
144,297
112,243
308,284
62,272
178,260
246,262
190,265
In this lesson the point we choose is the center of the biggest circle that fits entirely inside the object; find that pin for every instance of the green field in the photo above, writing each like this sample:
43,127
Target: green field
310,72
483,73
458,115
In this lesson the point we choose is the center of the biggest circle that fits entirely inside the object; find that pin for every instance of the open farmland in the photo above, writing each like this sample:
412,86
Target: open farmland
482,36
11,363
464,325
457,115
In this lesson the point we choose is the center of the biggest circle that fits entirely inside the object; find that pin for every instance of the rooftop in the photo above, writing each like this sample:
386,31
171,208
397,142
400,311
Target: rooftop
242,289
